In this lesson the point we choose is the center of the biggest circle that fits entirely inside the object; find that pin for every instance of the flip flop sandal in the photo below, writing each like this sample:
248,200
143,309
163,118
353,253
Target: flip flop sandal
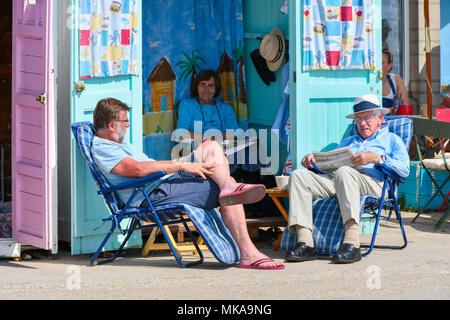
258,265
243,194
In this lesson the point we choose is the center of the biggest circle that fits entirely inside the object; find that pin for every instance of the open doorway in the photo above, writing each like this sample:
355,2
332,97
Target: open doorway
5,119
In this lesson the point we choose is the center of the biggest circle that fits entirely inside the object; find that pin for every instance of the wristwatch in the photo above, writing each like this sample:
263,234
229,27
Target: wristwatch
382,159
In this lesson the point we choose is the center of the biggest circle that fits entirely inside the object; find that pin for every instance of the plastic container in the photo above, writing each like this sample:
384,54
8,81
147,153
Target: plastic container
405,110
443,115
282,182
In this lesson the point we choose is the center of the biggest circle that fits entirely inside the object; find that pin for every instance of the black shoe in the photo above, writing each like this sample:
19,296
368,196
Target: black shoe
347,253
301,252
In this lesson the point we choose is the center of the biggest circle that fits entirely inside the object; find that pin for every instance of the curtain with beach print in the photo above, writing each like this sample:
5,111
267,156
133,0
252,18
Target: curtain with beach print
108,42
338,35
181,38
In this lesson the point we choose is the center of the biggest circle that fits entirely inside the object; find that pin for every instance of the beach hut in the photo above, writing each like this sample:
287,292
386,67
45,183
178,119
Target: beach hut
53,194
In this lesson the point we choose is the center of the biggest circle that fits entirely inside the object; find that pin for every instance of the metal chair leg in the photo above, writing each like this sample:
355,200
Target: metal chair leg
130,231
93,261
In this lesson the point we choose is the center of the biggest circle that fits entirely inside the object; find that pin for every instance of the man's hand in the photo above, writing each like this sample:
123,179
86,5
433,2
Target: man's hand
197,169
308,160
364,158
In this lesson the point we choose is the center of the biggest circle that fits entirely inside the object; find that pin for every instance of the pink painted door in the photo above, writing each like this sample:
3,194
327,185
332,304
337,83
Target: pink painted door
33,124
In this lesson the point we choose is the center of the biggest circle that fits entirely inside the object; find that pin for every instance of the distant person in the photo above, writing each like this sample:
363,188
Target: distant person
394,90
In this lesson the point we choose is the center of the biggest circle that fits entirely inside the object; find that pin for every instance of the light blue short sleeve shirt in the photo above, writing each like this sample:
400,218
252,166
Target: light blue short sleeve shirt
108,154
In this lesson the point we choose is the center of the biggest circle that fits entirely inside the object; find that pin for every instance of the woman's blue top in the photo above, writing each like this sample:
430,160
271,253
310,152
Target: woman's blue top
219,116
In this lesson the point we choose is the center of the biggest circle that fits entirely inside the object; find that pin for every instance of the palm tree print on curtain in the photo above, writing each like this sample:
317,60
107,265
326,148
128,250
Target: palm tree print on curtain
190,35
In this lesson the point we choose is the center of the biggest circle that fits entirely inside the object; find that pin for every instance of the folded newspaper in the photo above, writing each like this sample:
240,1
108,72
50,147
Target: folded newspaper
229,146
332,160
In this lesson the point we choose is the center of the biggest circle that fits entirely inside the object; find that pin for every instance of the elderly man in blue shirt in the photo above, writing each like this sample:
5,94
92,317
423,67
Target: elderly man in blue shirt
372,144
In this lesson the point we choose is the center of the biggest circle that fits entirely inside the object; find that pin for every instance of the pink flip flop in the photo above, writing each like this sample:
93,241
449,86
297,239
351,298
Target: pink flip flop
243,194
257,265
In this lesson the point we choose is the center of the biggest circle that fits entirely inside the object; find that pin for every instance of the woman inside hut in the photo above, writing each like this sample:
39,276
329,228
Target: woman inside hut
203,108
204,115
394,90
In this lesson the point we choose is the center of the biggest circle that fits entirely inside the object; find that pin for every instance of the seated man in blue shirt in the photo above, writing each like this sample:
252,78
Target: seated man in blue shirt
371,145
205,183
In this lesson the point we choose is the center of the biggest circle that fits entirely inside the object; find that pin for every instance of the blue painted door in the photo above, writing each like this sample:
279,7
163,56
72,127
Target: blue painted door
445,45
321,99
88,208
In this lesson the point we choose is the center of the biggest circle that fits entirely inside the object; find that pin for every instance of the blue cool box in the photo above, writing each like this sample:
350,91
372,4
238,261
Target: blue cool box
418,188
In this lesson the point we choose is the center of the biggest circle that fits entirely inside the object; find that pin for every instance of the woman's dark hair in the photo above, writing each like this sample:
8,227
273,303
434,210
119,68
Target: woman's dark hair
205,75
388,52
108,110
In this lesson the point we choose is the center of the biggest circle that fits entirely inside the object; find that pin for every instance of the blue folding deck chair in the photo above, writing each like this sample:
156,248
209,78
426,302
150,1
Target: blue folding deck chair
328,231
208,223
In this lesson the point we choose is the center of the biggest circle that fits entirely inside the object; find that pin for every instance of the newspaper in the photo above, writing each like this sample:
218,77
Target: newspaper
229,146
332,160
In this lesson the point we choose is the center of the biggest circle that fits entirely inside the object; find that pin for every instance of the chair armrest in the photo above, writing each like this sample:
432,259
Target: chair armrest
136,183
388,172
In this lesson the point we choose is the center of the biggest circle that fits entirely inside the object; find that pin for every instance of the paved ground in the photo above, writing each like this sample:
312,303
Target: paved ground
420,271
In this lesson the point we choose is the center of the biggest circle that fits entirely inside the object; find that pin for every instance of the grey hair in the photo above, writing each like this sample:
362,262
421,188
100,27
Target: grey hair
378,113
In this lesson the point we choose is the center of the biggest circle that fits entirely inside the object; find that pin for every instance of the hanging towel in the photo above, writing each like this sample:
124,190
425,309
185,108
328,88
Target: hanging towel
108,41
338,35
279,125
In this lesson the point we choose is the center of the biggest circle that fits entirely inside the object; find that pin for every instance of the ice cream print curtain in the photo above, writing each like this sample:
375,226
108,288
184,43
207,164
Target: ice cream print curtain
108,44
338,35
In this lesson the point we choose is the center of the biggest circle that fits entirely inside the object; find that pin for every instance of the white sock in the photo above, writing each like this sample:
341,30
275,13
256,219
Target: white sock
352,233
305,235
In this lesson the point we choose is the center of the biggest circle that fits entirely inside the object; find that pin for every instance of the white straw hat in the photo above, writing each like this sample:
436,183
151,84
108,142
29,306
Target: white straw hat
272,49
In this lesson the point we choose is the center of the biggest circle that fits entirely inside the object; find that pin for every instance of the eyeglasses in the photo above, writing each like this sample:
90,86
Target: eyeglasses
126,120
207,86
366,119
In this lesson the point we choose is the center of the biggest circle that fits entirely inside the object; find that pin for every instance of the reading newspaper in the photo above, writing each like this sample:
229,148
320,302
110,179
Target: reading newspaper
332,160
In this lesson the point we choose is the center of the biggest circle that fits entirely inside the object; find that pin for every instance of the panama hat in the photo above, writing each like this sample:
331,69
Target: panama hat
272,49
367,102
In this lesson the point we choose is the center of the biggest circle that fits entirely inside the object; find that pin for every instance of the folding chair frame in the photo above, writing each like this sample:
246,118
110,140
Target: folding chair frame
119,212
390,185
435,129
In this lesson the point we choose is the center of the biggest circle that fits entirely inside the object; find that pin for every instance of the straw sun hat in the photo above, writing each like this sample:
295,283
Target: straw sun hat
366,103
272,49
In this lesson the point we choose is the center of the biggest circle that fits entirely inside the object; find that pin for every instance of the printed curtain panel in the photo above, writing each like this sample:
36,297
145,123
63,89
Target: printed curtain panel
181,38
338,35
108,44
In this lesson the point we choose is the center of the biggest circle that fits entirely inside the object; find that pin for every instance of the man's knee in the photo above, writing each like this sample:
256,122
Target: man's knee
297,175
300,177
344,172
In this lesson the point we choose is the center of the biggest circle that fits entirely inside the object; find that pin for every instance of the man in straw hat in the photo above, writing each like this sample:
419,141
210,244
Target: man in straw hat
272,49
372,144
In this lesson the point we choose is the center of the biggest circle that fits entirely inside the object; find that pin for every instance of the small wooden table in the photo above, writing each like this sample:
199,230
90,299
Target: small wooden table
275,194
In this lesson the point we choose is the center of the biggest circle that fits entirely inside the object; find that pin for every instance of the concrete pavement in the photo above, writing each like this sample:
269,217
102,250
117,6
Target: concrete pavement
420,271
